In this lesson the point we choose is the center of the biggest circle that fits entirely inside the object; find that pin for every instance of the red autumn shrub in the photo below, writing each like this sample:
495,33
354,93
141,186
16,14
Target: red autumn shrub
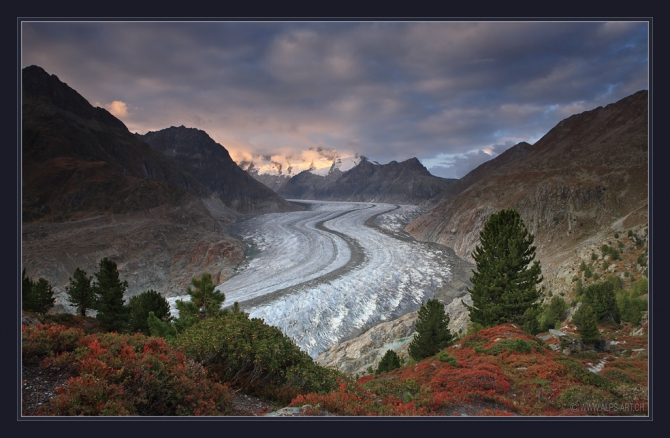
42,340
132,375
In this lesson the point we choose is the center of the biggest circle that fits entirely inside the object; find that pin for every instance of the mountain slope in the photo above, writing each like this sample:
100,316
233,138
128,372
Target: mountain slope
80,161
92,190
586,175
193,151
408,182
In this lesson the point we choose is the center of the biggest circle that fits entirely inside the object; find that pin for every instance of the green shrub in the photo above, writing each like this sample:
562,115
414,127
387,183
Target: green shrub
630,304
582,266
642,259
596,276
616,282
251,354
389,362
594,256
605,265
581,396
614,254
640,287
517,344
616,235
443,356
630,233
577,370
587,273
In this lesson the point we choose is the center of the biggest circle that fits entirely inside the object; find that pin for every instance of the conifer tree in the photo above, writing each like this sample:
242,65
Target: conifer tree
389,362
587,324
80,293
141,305
27,292
161,329
432,328
109,290
504,286
43,296
602,299
205,302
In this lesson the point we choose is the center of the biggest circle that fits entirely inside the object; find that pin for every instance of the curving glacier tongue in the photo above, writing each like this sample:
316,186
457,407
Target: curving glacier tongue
323,275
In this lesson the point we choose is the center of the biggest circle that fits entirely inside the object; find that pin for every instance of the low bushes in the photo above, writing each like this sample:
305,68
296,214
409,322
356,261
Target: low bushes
123,375
255,356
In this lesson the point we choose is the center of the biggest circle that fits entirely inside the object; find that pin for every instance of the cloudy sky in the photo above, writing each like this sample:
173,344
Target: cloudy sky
453,94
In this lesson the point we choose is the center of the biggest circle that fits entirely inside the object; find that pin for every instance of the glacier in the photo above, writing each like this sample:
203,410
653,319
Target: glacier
330,272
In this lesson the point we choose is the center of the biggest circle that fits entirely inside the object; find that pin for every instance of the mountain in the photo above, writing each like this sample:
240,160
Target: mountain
91,189
193,151
575,188
272,180
80,161
408,182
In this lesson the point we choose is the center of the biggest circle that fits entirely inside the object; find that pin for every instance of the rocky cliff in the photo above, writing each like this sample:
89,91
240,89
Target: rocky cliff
583,180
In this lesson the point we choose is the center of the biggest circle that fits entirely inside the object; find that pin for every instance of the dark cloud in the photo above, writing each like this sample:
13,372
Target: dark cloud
443,92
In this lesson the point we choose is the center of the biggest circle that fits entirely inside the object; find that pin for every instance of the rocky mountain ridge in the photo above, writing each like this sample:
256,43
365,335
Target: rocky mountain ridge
583,179
193,151
408,182
79,161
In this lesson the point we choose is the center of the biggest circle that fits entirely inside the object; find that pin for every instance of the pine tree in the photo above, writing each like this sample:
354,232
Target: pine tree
389,362
109,290
141,305
432,328
205,302
504,285
80,293
43,296
27,292
587,324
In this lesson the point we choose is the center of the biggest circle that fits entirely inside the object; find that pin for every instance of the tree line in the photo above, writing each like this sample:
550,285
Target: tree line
147,313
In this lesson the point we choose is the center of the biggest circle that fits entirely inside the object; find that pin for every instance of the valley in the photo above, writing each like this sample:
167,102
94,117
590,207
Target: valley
329,273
